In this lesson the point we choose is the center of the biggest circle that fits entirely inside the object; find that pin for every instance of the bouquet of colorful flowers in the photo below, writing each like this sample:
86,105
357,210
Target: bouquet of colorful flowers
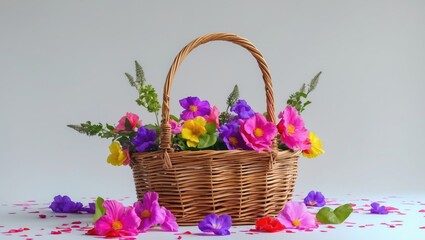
201,126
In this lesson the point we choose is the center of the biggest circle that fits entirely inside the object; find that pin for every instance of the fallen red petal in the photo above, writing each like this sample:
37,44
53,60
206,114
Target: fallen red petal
91,232
42,216
76,222
390,208
187,232
55,232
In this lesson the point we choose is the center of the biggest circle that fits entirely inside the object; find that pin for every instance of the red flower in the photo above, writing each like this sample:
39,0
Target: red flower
268,224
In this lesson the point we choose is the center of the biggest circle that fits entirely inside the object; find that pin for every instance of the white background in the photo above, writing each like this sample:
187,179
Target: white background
63,62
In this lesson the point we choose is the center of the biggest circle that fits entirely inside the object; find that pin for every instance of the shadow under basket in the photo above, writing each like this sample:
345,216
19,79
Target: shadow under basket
245,184
239,183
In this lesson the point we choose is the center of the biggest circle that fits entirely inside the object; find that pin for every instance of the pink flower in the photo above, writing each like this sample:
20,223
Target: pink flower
213,117
295,215
149,211
292,131
176,127
169,223
257,133
132,118
118,221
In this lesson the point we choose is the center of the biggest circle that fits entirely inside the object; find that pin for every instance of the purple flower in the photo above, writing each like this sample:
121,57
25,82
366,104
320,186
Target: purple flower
243,110
376,209
315,199
231,136
90,209
149,211
194,107
217,225
145,140
65,205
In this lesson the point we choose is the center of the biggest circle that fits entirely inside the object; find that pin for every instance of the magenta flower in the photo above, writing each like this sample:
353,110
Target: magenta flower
292,131
217,225
118,221
315,199
257,133
231,136
145,140
133,120
194,107
376,209
176,127
295,215
149,211
170,221
65,205
243,110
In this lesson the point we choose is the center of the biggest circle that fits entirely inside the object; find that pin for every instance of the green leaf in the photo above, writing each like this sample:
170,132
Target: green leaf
206,140
302,89
337,216
110,127
128,126
233,97
211,128
313,82
174,118
131,80
140,75
100,210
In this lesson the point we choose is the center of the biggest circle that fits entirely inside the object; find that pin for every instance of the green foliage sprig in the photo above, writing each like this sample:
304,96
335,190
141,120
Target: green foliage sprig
148,98
299,99
231,100
94,129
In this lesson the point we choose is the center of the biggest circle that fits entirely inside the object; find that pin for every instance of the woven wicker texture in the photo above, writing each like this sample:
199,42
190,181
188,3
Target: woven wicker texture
191,184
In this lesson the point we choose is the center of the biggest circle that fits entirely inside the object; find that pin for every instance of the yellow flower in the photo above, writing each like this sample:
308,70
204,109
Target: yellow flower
117,156
316,146
192,129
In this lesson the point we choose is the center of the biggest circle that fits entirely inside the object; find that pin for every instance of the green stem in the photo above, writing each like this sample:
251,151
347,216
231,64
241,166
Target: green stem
157,120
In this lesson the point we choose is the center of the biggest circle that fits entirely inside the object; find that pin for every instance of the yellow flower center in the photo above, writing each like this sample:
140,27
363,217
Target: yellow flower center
117,225
296,222
193,108
146,213
258,132
312,203
290,128
233,141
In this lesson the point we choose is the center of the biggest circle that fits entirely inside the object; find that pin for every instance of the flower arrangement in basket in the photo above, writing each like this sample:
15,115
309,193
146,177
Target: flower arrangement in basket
238,161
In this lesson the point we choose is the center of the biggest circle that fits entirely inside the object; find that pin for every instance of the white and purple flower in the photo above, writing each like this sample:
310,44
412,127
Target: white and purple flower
219,225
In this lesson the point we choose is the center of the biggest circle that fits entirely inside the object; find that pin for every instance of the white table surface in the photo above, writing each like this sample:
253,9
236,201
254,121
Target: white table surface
408,222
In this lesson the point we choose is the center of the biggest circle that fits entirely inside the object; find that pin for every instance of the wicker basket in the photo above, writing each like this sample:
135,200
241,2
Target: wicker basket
191,184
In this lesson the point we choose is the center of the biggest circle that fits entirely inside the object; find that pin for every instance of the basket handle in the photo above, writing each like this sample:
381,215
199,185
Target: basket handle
166,128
